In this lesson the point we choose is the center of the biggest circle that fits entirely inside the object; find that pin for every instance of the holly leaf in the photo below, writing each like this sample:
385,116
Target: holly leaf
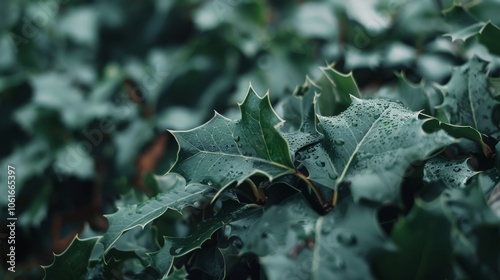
205,230
373,141
461,23
424,245
224,151
476,231
299,113
336,89
467,100
413,96
177,197
453,173
487,36
162,260
177,274
73,262
292,240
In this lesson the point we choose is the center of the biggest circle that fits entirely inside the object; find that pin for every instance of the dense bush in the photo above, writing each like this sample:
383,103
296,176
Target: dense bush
388,172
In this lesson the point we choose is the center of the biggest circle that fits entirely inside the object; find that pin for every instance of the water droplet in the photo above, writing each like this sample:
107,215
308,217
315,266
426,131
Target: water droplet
245,226
338,262
457,169
130,213
236,138
138,211
240,145
339,142
332,176
178,250
320,163
347,238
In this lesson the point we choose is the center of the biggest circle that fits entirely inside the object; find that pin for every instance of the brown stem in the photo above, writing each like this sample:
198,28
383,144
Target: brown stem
312,186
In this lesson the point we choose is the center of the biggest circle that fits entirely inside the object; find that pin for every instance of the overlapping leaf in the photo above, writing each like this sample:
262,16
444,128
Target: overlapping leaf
453,173
72,263
294,241
184,245
467,100
374,138
224,151
177,197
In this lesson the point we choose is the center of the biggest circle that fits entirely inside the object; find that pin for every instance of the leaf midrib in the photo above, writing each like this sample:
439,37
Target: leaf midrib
358,146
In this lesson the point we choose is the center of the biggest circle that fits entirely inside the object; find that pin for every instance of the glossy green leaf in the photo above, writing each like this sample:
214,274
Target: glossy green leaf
177,198
184,245
453,173
224,151
477,232
162,260
376,139
72,263
487,36
336,89
294,241
423,245
467,100
177,274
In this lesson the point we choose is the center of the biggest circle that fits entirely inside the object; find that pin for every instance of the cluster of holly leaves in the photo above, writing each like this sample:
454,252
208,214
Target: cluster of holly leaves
333,180
329,183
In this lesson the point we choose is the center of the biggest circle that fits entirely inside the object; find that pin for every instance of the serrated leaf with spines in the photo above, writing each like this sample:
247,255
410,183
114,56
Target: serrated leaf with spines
413,96
177,274
461,23
467,100
73,262
423,245
184,245
336,89
299,113
224,151
292,240
476,231
177,198
162,260
453,173
378,139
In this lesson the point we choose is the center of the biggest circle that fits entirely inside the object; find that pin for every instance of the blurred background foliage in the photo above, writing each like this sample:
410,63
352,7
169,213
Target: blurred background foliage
88,88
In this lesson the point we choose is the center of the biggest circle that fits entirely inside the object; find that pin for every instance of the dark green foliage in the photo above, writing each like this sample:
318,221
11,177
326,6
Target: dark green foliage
381,165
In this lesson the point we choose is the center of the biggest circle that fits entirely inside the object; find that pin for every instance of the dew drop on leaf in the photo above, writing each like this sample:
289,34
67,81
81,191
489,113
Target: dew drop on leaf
236,138
339,142
457,169
346,238
320,163
332,175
